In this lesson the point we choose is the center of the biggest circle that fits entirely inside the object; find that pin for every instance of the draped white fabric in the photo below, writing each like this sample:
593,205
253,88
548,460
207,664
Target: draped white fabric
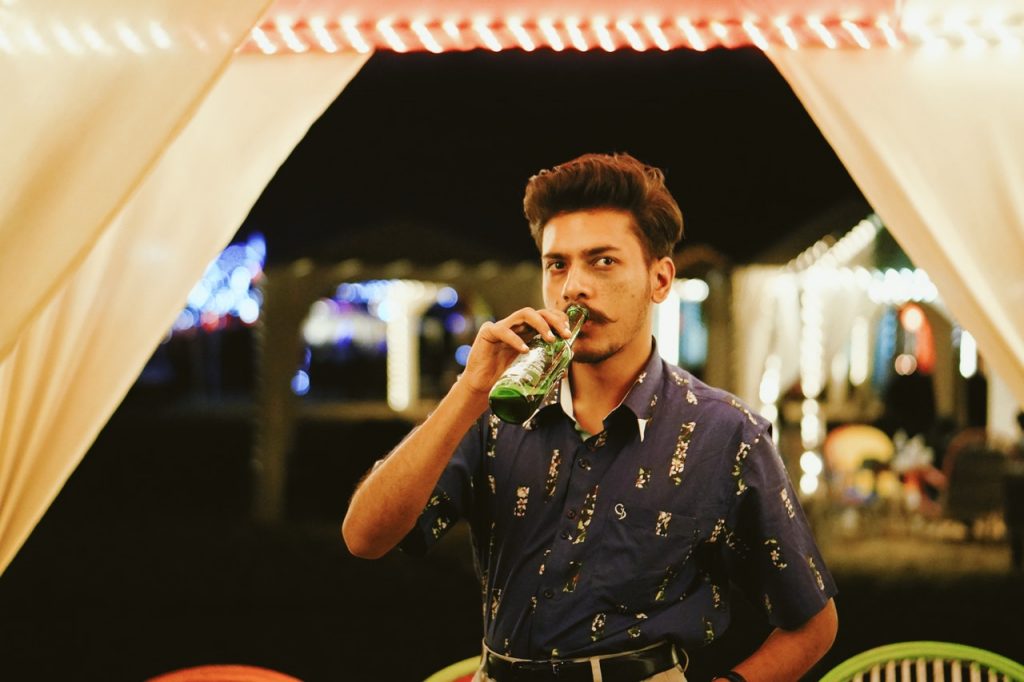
74,360
933,137
93,91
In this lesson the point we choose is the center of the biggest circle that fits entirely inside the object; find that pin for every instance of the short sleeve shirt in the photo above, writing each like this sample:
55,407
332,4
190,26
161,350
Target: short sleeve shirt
631,536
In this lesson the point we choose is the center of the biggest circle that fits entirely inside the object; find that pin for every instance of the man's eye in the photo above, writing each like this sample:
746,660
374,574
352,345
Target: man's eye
556,265
605,260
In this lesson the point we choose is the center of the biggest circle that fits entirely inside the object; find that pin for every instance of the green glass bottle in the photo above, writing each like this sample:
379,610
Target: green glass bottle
519,392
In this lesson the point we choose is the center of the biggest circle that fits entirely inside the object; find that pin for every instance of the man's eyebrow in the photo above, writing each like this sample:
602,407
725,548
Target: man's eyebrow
593,251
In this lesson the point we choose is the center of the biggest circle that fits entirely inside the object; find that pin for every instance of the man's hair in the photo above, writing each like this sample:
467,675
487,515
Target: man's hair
607,181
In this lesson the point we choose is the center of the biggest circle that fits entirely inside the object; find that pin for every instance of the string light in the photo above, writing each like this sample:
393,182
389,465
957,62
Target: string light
604,36
262,41
576,35
322,35
354,37
547,27
691,34
857,34
391,36
610,34
632,37
787,34
487,35
823,33
756,37
64,37
520,34
129,38
159,36
657,35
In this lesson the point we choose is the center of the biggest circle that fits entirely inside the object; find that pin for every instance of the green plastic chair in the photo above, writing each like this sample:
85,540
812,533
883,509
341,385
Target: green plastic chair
926,662
464,669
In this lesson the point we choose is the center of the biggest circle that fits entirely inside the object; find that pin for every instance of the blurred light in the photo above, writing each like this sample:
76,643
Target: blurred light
487,36
455,323
604,36
810,463
129,38
186,320
240,279
248,310
756,36
857,34
905,364
447,297
452,29
890,35
787,34
64,37
657,35
525,42
691,34
199,295
572,26
262,41
632,37
300,383
667,330
323,36
284,29
860,351
354,37
695,290
462,354
159,35
912,318
391,36
968,355
547,27
808,484
426,37
823,33
95,40
720,31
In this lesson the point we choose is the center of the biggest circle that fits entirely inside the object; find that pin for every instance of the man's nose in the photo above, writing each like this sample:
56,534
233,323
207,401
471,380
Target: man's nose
576,285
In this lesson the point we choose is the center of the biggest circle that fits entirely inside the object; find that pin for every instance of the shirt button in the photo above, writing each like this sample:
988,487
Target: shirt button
585,464
548,594
571,514
565,535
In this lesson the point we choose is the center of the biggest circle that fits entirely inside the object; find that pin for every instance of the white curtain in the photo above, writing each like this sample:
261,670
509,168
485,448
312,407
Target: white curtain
112,209
933,136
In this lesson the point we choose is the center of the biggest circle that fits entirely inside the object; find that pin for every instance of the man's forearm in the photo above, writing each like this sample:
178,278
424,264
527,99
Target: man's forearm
387,503
788,654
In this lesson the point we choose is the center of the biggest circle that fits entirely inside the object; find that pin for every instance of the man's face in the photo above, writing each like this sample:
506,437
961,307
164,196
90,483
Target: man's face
595,258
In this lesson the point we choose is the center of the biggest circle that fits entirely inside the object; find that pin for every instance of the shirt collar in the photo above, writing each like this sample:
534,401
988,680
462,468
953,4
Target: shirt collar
641,399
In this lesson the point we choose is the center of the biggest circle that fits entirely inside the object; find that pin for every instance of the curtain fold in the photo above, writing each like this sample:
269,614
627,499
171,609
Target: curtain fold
933,137
93,92
73,362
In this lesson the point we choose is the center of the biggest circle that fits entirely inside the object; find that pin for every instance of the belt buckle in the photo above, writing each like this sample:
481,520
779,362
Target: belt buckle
556,667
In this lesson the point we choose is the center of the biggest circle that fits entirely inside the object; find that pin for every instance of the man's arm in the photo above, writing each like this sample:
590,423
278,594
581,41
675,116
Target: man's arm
387,503
788,654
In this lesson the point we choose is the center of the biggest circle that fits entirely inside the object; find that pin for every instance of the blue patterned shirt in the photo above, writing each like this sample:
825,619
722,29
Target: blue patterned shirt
632,535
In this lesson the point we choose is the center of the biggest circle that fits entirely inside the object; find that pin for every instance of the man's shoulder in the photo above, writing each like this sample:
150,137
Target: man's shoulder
710,403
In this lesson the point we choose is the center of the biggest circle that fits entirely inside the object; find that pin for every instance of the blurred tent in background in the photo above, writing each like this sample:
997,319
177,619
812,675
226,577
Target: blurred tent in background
140,137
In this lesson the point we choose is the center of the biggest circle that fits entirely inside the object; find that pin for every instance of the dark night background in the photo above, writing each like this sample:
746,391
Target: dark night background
148,560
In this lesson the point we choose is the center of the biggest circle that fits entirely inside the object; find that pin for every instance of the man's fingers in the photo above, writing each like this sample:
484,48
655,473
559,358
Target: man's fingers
558,321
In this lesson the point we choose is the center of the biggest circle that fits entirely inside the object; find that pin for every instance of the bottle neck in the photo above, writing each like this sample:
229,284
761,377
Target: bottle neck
578,315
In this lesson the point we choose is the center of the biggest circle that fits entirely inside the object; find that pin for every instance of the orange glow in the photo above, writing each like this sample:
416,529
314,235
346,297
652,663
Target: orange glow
284,35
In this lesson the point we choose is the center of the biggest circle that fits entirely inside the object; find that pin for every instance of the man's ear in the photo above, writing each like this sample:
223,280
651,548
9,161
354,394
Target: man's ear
663,274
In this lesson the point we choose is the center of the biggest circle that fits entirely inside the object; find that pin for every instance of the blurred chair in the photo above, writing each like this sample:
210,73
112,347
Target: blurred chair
926,662
224,673
462,671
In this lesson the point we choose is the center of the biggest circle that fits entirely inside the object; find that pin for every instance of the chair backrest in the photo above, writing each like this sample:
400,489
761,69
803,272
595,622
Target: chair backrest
926,662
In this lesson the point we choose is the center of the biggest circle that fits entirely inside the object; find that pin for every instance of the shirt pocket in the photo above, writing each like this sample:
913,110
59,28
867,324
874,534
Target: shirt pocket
644,555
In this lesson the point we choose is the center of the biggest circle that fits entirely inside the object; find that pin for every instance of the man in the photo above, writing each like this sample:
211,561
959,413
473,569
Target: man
607,528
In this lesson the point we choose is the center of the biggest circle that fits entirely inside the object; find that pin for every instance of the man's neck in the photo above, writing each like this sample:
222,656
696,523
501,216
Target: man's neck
598,388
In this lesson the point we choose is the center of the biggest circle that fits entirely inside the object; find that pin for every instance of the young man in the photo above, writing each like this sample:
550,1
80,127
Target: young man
606,529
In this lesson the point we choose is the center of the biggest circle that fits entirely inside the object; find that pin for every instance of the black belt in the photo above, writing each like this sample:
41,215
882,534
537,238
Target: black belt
628,667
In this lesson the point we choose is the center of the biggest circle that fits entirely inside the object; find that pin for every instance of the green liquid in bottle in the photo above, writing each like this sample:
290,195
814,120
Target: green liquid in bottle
518,394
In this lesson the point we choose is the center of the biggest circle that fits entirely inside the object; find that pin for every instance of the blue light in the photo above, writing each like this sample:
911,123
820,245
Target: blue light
300,383
462,355
447,297
455,323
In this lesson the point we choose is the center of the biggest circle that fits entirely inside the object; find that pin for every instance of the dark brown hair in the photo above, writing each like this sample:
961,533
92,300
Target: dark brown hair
609,181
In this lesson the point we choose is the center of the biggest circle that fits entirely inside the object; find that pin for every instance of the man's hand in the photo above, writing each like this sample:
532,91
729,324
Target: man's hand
497,344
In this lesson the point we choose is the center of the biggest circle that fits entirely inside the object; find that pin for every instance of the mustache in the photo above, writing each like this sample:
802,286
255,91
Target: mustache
596,316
